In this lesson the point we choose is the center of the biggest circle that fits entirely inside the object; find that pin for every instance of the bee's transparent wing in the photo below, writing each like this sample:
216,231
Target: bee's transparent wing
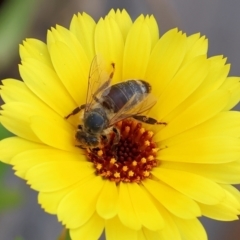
98,80
131,108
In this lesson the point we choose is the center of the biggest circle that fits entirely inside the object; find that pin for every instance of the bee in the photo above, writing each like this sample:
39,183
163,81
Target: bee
108,104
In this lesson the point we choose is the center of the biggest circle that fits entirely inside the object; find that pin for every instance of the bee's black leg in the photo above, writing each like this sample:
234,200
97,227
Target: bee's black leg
94,149
116,139
148,120
76,110
104,139
80,127
80,146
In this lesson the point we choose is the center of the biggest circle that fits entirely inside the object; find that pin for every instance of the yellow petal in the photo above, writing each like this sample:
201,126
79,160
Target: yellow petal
170,230
232,85
218,149
150,235
73,71
83,27
49,201
234,99
200,111
126,212
141,235
136,53
216,75
175,202
177,90
165,60
144,207
7,152
55,175
196,187
54,132
220,212
228,173
107,201
44,82
109,43
191,229
196,46
232,196
78,206
227,209
123,20
16,120
153,28
17,92
223,124
91,230
33,48
63,35
117,231
35,156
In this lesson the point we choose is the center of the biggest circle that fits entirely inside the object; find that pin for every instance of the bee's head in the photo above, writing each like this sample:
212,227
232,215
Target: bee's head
94,122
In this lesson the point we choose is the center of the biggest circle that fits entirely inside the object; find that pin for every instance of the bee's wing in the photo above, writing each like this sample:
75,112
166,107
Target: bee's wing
98,80
131,108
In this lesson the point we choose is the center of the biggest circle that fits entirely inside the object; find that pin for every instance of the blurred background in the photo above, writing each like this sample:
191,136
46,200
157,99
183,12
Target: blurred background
20,215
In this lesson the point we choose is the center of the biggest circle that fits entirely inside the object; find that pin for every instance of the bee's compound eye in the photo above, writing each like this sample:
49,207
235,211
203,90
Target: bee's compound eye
94,123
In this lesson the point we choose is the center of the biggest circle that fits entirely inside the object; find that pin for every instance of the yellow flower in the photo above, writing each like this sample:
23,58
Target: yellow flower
171,173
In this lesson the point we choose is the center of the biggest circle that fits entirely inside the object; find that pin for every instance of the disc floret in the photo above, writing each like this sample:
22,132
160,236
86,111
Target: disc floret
132,159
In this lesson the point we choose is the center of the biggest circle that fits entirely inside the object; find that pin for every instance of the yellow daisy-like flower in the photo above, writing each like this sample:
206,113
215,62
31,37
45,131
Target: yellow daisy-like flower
163,177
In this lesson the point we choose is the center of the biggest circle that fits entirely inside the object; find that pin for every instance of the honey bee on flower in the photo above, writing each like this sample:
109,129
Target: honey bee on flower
108,104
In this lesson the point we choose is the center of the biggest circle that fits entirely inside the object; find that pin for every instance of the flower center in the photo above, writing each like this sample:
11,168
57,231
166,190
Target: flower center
131,159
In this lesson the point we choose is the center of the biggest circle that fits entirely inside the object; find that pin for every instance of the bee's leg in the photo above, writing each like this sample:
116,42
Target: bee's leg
79,127
80,146
104,139
76,110
148,120
116,139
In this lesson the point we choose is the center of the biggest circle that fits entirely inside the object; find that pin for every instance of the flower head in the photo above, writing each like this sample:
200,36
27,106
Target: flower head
154,181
